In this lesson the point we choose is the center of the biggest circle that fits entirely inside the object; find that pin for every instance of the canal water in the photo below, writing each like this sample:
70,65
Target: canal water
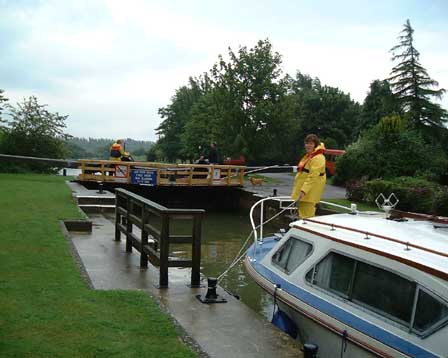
223,235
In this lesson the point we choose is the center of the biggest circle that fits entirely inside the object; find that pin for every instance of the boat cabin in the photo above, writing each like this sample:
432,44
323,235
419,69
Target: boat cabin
383,282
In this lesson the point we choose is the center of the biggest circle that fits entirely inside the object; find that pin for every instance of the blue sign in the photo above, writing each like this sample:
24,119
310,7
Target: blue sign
144,176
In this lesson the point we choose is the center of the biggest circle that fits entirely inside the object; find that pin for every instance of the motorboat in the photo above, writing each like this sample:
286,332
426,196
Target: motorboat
359,284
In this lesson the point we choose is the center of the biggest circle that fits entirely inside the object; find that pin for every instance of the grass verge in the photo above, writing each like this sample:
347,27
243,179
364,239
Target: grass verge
46,308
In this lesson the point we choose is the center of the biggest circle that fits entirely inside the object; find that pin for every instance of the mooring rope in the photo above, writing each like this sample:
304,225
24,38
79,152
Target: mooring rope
243,251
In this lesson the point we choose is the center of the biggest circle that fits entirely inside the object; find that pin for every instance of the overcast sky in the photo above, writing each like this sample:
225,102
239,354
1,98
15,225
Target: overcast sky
111,64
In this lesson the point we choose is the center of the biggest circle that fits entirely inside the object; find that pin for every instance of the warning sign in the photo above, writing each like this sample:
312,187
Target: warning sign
121,171
144,176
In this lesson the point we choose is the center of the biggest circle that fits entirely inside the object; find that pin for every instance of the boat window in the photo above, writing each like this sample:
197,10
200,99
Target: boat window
291,254
334,273
381,291
430,311
384,291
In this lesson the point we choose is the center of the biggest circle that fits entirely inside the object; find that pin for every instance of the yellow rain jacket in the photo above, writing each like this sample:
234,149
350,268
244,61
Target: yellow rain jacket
310,177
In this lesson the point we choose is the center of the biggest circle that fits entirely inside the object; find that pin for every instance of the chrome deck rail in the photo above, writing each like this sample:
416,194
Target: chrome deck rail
258,229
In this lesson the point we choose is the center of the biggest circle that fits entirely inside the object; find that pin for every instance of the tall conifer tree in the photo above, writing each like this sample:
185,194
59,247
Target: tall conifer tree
412,85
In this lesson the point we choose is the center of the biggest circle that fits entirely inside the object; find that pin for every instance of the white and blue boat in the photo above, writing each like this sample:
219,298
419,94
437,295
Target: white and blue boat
360,284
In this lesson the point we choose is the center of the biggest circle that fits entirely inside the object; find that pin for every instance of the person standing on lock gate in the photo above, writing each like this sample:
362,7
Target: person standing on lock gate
213,155
309,182
117,150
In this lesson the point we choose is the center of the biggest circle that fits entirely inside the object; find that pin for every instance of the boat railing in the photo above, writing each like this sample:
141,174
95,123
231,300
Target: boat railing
258,229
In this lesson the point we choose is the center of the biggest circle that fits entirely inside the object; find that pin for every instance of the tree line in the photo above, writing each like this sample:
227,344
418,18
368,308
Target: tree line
99,148
30,129
249,107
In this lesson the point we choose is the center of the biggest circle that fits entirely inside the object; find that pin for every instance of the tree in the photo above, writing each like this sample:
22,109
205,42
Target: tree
251,104
379,102
412,85
391,149
34,131
175,117
324,110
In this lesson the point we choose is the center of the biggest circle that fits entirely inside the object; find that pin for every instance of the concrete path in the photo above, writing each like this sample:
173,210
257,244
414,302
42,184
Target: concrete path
221,330
283,184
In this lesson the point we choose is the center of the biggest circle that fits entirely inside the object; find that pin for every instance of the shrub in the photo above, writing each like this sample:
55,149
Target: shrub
414,194
385,153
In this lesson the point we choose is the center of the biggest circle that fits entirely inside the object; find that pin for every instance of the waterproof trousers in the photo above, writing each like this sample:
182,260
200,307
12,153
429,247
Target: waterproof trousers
306,209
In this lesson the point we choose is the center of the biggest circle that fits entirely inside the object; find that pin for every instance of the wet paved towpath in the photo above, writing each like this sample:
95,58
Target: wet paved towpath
221,330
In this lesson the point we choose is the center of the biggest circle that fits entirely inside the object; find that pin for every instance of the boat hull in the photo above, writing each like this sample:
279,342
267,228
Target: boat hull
321,329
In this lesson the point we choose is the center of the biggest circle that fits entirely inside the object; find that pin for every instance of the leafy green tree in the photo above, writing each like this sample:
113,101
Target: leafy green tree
175,117
202,127
379,102
391,149
34,131
251,104
412,85
324,110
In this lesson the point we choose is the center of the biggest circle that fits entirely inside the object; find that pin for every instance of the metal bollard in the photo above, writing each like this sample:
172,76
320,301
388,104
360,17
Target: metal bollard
211,296
100,188
310,350
274,192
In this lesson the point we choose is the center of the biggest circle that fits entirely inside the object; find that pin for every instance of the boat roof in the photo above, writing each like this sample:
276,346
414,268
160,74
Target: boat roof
419,243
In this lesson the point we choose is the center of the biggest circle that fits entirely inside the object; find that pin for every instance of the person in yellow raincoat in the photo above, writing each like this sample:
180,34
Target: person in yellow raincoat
309,182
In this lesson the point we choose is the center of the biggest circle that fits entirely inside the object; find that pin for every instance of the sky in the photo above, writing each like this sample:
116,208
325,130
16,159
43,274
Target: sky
110,65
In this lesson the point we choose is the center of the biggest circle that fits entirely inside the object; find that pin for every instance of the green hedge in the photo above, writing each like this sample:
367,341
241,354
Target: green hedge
414,194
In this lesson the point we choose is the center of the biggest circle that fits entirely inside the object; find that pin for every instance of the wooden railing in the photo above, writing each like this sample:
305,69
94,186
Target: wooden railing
155,238
148,173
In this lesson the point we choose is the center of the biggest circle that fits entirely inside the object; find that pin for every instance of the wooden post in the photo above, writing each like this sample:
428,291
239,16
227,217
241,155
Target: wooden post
144,239
242,176
164,251
196,251
210,179
117,220
129,225
190,176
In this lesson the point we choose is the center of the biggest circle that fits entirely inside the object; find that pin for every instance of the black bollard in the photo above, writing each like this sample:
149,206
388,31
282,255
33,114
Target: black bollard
64,172
274,192
310,350
100,188
211,296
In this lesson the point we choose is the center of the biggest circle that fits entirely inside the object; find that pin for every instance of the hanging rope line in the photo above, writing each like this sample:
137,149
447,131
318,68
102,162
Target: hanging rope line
242,252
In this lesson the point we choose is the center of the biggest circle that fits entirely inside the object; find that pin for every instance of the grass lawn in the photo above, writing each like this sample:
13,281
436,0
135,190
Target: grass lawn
46,309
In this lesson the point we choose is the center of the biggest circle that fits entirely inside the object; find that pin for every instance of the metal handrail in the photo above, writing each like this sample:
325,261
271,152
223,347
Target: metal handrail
260,203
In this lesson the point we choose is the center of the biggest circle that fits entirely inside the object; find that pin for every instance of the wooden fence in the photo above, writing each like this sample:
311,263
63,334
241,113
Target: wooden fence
147,173
153,220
